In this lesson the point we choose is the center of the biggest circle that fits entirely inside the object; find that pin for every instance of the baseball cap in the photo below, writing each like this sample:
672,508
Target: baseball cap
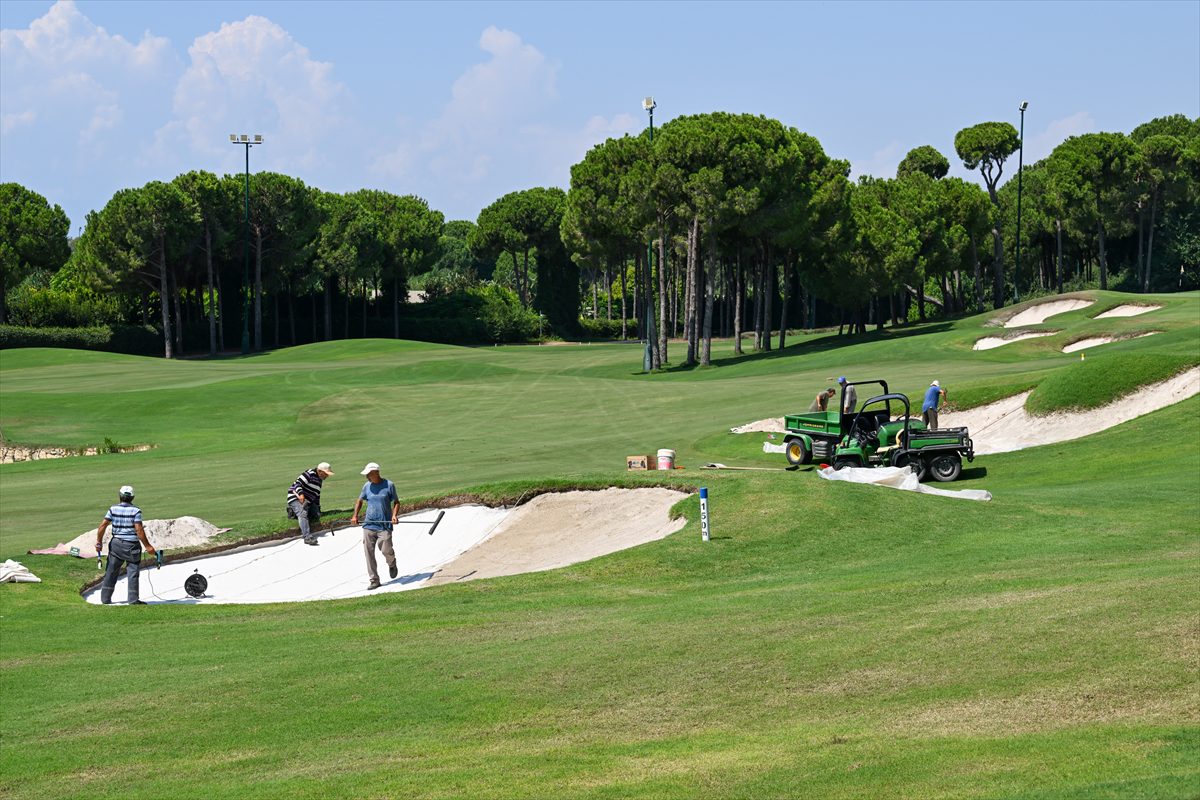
369,468
324,467
842,379
935,383
127,489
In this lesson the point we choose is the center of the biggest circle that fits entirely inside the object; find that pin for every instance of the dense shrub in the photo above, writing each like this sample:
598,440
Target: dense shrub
600,328
486,313
141,340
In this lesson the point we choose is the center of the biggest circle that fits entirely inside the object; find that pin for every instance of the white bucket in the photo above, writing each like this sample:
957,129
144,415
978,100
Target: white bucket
666,459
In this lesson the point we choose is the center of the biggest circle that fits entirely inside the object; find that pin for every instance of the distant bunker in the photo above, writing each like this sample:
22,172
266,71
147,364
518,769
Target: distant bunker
470,542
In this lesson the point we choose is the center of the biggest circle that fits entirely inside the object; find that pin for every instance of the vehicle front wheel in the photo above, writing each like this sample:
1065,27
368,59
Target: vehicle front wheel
946,468
796,452
843,463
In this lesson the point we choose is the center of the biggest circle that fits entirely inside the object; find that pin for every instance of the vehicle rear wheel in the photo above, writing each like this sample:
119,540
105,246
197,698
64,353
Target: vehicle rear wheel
843,463
909,460
946,468
796,452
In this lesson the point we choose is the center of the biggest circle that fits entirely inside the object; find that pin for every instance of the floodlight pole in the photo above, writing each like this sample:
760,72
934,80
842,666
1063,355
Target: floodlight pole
243,139
1020,164
648,355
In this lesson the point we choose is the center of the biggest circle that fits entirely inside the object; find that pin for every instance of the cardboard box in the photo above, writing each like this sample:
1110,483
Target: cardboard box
637,462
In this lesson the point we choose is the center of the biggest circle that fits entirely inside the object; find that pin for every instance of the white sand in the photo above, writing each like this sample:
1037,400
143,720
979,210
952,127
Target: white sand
164,534
1128,310
992,342
1004,426
1094,341
1036,315
556,530
550,531
774,425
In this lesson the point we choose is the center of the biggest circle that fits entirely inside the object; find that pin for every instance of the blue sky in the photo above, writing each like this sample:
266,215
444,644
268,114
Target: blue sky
463,102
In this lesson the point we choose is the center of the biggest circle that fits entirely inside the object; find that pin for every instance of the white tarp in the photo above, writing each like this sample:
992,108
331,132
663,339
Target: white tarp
292,571
902,478
15,572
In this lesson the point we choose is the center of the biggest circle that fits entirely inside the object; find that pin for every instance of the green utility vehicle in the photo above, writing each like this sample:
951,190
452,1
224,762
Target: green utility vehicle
815,434
875,439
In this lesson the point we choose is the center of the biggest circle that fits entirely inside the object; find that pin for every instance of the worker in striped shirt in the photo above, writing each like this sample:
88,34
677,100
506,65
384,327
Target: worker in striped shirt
304,499
125,547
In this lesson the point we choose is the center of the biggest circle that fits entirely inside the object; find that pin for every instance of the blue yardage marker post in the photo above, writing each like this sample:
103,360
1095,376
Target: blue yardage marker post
704,532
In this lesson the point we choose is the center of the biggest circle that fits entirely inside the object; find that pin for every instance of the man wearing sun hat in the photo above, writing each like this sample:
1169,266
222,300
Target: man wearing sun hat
304,499
383,506
929,408
125,547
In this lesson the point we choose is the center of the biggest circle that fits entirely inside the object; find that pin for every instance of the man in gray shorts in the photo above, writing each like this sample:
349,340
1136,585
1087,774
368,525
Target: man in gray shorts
125,547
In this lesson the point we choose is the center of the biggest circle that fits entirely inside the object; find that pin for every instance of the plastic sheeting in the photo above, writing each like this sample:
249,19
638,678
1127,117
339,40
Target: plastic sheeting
902,478
16,572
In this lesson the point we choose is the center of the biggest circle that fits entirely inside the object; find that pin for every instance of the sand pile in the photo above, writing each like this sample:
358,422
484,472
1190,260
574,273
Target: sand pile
1005,425
1036,315
774,425
992,342
164,534
1127,310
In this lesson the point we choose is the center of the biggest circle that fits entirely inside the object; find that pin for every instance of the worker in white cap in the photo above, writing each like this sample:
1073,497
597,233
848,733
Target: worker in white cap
125,547
929,408
304,499
383,507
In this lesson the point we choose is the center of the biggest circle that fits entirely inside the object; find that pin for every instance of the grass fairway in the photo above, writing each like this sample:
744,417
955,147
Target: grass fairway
832,641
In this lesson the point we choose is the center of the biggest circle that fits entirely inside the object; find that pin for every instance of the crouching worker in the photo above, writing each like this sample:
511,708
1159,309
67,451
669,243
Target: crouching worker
125,547
304,500
383,506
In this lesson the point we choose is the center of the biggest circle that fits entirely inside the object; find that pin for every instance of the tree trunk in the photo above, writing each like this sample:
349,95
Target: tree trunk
706,349
1059,264
689,293
346,297
783,315
364,307
1100,238
624,313
662,295
165,296
1150,243
220,313
637,282
771,285
997,269
258,291
1140,235
608,287
921,301
328,309
212,306
178,313
978,277
738,305
291,309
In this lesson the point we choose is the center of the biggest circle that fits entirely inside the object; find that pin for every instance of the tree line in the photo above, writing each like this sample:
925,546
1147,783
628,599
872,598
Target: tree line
712,224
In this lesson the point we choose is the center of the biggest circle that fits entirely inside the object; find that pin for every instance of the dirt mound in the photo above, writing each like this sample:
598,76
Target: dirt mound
774,425
1005,425
1036,315
164,534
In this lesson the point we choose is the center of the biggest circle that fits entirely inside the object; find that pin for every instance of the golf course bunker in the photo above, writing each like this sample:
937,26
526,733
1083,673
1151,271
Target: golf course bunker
1095,341
992,342
1127,310
472,541
1036,315
1005,425
165,534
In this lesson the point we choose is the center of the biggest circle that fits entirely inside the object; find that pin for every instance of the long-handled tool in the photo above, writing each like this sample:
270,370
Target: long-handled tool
99,563
432,527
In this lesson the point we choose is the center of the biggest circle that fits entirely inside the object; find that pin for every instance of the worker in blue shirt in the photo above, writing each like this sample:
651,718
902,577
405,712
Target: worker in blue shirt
929,409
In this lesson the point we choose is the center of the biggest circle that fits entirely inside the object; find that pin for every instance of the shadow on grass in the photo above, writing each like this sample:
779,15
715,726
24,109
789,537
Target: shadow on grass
973,474
819,345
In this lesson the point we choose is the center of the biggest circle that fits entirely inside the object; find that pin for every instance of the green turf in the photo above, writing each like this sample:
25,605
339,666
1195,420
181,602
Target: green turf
832,641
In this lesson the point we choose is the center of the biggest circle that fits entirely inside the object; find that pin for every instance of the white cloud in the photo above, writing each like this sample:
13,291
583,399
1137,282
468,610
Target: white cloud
12,121
1042,144
253,77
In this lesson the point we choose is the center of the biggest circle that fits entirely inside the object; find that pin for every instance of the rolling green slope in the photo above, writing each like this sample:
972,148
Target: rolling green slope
832,641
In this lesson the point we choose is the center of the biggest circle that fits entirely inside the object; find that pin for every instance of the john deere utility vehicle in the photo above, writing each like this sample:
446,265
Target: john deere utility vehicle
815,434
875,439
